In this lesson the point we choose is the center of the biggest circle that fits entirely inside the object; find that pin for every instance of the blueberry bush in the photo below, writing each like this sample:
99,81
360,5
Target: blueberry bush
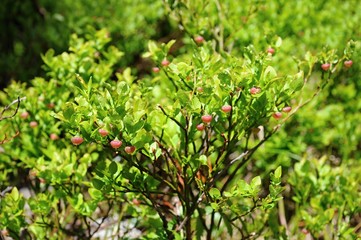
208,120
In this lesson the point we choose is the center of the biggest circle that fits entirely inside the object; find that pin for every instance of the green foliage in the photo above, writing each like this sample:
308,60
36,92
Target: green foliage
12,211
324,195
197,170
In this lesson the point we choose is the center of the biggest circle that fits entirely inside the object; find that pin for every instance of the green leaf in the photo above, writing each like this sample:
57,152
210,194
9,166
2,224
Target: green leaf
256,182
59,116
97,183
48,57
90,83
109,97
310,59
99,170
215,206
278,172
183,68
68,169
228,224
278,42
122,89
169,45
203,159
15,194
196,104
228,194
243,187
297,81
141,138
113,167
199,229
270,73
214,193
127,75
68,110
328,215
38,231
152,46
40,205
225,78
95,194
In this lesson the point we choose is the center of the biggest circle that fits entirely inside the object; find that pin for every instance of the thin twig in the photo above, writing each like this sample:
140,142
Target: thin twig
282,216
180,226
103,219
8,106
173,119
6,139
7,189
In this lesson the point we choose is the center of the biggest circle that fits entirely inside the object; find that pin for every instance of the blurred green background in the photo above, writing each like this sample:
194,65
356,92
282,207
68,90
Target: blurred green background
30,27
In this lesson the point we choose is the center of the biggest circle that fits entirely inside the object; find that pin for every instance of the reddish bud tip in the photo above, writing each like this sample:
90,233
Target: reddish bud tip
165,63
50,105
136,202
255,90
305,231
129,149
54,137
325,66
277,115
348,63
200,127
77,140
116,144
207,118
287,109
24,115
199,39
33,124
226,108
156,69
271,51
103,132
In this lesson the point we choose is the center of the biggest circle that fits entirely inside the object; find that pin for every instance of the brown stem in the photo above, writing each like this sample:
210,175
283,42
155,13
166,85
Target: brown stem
8,106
